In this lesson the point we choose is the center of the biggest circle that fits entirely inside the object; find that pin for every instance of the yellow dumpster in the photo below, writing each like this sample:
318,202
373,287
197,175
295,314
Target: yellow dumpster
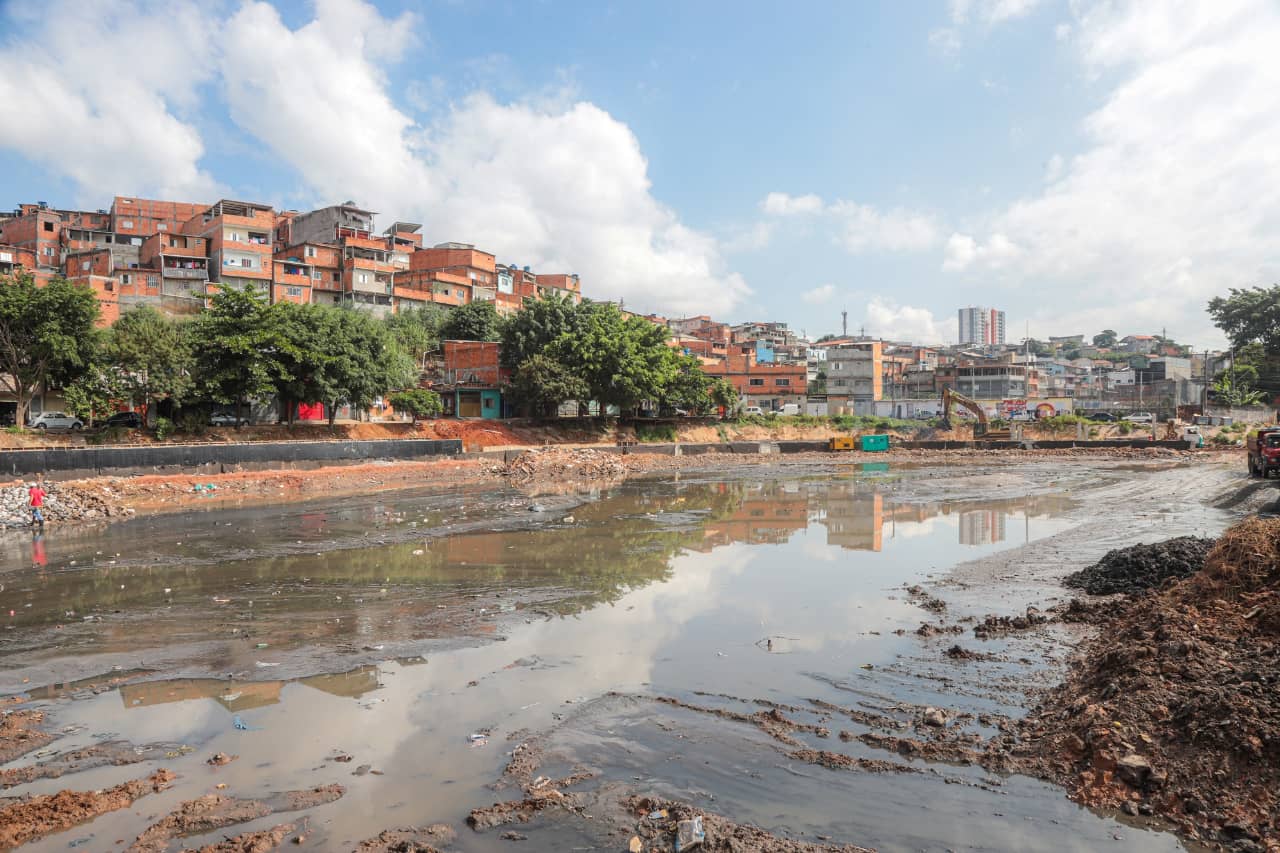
841,442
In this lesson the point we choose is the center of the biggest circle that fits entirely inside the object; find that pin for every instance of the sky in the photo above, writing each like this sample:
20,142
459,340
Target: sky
1081,165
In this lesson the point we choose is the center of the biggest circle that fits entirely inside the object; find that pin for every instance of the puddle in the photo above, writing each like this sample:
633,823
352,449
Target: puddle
785,590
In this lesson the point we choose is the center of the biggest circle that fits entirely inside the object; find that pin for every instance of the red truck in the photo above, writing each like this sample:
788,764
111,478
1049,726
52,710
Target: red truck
1264,451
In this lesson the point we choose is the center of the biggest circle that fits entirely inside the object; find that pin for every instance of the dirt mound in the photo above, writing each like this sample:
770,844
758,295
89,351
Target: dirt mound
1142,567
559,462
28,819
1174,708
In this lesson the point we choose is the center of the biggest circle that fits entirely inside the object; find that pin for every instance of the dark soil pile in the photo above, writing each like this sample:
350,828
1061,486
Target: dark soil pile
1142,567
1174,708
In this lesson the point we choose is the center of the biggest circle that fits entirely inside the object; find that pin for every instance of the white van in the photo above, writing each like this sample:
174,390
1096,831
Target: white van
788,409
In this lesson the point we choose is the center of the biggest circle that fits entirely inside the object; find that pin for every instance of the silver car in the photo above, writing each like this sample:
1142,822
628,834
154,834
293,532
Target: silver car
56,420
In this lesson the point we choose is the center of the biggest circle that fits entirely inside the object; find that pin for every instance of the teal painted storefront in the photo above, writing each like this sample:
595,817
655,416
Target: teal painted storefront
478,403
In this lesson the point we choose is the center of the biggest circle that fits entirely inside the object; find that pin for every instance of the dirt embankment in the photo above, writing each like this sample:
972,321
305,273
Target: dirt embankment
1173,708
539,469
28,819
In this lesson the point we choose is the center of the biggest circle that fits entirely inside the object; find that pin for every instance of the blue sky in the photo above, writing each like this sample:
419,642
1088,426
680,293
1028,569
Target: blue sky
1081,166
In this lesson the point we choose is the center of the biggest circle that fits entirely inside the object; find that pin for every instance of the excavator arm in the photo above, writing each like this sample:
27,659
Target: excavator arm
953,398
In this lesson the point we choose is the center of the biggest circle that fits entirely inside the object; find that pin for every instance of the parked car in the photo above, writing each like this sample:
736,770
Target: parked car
126,420
56,420
1140,418
753,410
226,419
1102,417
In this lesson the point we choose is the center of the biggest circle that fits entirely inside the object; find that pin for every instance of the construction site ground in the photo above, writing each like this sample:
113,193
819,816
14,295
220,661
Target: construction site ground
589,650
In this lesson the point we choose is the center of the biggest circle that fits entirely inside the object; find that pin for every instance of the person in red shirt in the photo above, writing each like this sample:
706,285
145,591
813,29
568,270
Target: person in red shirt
37,493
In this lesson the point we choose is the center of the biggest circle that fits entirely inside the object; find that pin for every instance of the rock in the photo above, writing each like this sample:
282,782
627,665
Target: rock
934,717
1134,770
1129,808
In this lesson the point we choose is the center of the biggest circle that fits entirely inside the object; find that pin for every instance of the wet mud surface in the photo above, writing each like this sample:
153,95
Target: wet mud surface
805,658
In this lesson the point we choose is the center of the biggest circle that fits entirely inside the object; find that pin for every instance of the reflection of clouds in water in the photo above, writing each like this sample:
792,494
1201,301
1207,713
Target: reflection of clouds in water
918,529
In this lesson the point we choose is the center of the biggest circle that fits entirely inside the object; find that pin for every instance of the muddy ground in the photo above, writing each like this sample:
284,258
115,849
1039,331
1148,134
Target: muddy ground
903,713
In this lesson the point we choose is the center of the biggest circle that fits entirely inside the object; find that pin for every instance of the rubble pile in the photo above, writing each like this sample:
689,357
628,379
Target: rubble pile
62,503
1174,708
669,825
1142,567
562,462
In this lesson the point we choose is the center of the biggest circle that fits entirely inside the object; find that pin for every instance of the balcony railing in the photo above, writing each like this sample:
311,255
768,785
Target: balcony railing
181,272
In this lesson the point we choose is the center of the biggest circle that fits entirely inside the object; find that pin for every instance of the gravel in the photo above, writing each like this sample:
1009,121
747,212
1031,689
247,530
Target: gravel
1142,567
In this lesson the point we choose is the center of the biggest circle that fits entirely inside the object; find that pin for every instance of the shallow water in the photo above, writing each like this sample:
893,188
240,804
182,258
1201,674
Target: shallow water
653,589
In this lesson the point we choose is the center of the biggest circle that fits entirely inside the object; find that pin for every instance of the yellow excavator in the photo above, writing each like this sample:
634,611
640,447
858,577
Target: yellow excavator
980,429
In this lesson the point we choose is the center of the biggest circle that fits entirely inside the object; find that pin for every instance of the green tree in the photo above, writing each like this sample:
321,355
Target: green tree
47,335
96,392
475,321
1105,340
540,384
536,327
689,389
151,354
308,335
418,402
624,361
365,362
417,330
238,347
723,394
1249,314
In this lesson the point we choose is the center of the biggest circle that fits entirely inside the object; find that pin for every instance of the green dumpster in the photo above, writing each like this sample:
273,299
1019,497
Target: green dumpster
875,442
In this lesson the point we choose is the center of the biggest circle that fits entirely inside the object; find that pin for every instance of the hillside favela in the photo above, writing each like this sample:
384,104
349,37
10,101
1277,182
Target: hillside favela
436,426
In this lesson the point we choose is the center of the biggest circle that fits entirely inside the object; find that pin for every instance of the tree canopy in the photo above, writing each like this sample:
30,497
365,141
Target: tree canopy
1249,314
475,321
151,354
537,326
47,334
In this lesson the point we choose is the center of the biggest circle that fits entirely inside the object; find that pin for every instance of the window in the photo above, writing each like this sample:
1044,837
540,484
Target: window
126,279
293,291
48,251
782,382
126,223
48,226
363,278
337,277
310,251
315,275
152,281
162,226
84,266
757,382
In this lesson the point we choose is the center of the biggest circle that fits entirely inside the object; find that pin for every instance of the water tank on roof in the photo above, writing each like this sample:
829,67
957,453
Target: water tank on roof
526,269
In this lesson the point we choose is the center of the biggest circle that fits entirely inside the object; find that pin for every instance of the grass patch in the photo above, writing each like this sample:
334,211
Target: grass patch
652,433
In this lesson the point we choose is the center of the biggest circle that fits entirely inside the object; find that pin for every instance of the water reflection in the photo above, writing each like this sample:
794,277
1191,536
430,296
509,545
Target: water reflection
319,580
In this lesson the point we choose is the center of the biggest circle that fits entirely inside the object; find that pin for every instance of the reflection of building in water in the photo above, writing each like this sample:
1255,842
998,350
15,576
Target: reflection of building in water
768,518
982,526
243,695
855,521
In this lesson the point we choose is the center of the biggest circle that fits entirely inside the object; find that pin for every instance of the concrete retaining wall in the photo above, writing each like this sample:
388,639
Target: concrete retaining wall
215,458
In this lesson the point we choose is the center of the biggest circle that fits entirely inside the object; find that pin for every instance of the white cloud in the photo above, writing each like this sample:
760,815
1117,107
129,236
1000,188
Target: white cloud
820,294
94,94
963,251
886,319
863,228
782,204
858,227
752,239
1166,205
547,181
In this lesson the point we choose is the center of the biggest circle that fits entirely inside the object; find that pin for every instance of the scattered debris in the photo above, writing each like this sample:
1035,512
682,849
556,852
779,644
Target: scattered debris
218,759
19,734
686,827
